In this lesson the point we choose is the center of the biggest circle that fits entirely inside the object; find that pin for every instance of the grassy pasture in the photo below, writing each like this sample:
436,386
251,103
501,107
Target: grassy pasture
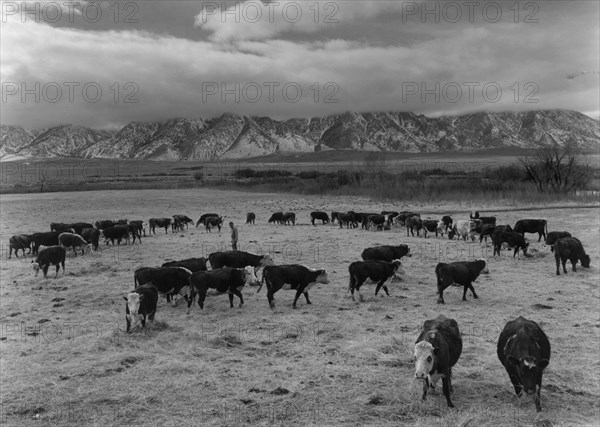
66,360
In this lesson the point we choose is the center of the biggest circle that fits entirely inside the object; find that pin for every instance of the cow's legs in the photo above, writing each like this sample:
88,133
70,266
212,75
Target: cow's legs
239,295
446,390
385,288
465,292
573,263
379,285
201,298
306,296
473,290
440,299
298,293
564,265
271,300
230,299
425,388
537,397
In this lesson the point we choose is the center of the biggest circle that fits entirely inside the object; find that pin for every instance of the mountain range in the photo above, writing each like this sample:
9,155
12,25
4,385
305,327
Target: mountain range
234,136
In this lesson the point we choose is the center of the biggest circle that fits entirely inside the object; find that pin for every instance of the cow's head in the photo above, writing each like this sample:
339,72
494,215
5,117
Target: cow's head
424,354
451,233
87,248
322,277
35,267
266,260
485,269
528,370
585,261
441,227
250,278
398,269
133,307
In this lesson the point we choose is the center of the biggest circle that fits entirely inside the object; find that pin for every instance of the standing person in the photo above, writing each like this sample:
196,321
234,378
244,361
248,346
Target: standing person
234,236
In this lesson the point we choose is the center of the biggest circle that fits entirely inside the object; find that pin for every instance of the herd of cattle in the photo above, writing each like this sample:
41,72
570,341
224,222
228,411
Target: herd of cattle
523,348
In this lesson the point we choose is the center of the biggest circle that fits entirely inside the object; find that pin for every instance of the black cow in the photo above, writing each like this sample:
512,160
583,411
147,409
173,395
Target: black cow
170,281
524,351
389,215
553,236
380,272
386,253
226,280
447,220
289,217
570,248
250,218
118,232
346,218
61,227
192,264
514,240
334,216
403,216
485,230
238,259
374,219
91,235
160,223
202,219
48,238
139,225
176,224
437,350
75,241
19,241
101,225
321,216
135,229
539,226
141,303
213,221
413,223
291,277
462,273
277,217
433,225
363,218
54,255
183,220
79,226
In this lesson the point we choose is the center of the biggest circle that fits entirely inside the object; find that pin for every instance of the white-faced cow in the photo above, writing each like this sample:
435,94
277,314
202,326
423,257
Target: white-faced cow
141,304
437,350
373,272
524,351
225,280
160,223
462,273
539,226
570,248
293,277
463,228
75,241
53,255
433,226
19,241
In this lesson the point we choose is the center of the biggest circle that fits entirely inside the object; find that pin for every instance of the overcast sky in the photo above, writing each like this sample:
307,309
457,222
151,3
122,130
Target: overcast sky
156,60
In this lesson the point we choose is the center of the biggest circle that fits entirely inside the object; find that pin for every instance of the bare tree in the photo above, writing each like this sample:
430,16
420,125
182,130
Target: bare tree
556,169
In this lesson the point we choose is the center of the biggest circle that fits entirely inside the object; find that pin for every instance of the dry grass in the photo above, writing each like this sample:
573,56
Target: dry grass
331,363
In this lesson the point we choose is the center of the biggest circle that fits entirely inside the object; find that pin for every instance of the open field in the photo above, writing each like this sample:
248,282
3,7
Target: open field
65,358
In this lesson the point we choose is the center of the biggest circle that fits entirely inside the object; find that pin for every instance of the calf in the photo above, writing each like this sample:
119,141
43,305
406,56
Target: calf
202,219
524,351
277,217
91,235
75,241
291,277
321,216
19,241
289,217
379,272
463,228
213,221
139,225
539,226
183,220
250,218
462,273
192,264
569,248
48,238
116,232
413,223
432,226
437,350
401,218
226,280
54,255
514,240
141,303
160,223
386,253
176,224
553,236
238,259
170,281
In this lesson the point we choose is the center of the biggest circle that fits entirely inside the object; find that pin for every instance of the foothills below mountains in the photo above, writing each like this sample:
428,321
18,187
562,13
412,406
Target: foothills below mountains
232,137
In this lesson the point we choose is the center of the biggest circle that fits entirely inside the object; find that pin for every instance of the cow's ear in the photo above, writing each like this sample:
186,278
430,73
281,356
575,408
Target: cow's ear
542,363
436,351
513,360
125,298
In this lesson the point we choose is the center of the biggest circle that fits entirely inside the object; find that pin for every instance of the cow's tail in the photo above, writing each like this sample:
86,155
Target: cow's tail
351,283
546,226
